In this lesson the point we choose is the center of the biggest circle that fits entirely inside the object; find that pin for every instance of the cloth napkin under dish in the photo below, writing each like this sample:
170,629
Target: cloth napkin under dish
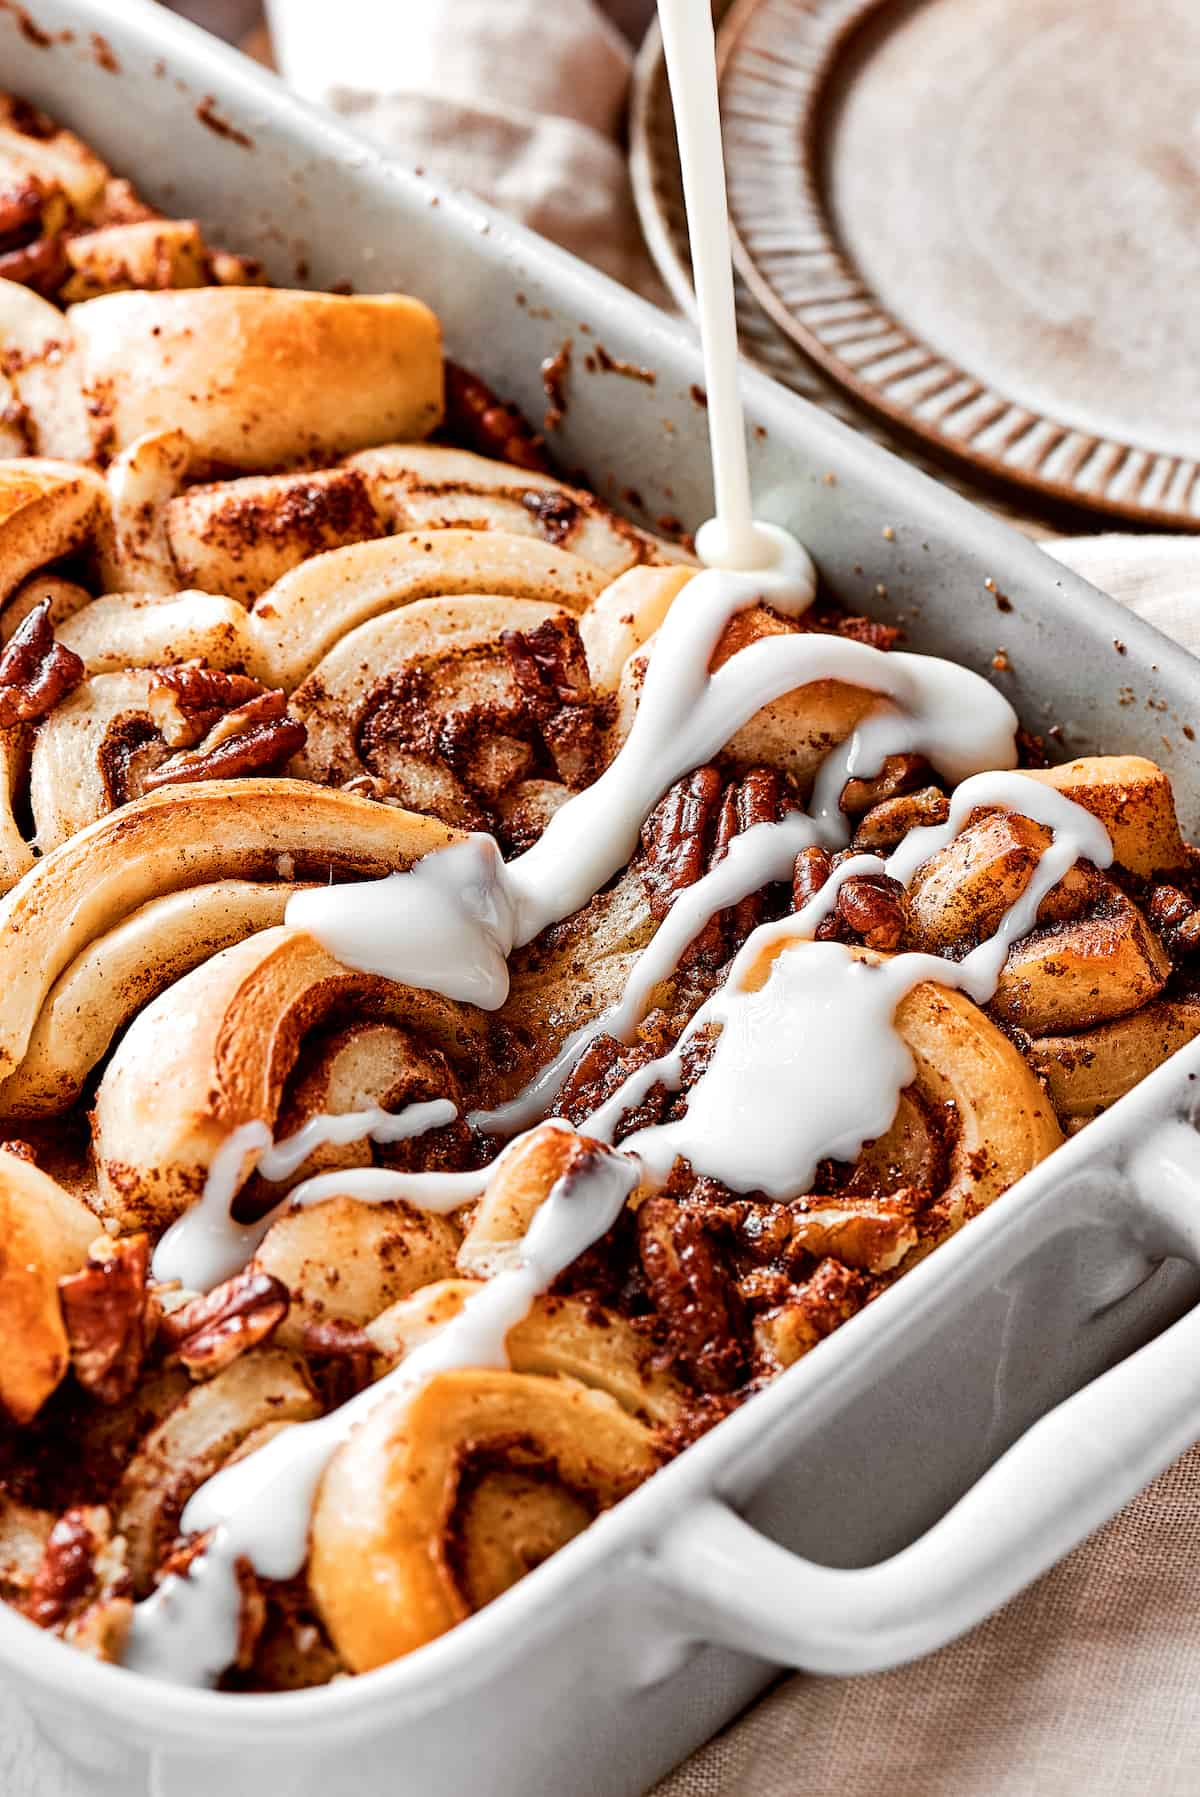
1086,1685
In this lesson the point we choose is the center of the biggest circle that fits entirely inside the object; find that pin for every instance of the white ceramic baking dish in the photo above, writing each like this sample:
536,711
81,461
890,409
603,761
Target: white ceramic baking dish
871,1457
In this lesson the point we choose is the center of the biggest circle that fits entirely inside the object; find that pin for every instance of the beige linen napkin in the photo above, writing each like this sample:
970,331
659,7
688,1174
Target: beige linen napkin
519,101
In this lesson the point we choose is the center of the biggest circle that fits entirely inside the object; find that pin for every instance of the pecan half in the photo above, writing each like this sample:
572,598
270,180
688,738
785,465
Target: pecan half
261,733
186,701
674,837
109,1317
693,1292
689,832
812,868
36,670
476,418
755,799
213,1330
870,908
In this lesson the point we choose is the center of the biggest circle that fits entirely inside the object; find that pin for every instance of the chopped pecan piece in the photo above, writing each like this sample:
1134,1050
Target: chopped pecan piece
899,774
815,1310
36,670
64,1576
555,514
456,735
600,1070
765,1231
80,1584
177,1561
20,211
764,1287
693,1292
480,421
109,1316
258,734
873,1235
213,1330
889,822
41,265
1177,919
551,673
347,1357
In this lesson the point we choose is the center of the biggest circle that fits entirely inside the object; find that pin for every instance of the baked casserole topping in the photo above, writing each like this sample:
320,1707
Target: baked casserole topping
482,993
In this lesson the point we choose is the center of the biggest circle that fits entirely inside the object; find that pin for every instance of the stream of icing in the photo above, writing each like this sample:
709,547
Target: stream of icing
796,1017
206,1244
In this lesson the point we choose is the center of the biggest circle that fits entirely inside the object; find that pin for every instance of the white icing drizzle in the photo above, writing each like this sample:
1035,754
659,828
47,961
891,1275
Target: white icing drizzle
439,1192
447,925
754,858
206,1244
808,1063
685,716
259,1508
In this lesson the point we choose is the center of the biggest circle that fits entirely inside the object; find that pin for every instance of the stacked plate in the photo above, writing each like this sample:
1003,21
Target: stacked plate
970,228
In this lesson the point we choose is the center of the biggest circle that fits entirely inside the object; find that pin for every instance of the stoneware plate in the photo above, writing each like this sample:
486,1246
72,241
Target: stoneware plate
658,192
983,220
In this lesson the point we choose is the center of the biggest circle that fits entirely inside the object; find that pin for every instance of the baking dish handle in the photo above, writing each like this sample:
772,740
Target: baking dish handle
1066,1475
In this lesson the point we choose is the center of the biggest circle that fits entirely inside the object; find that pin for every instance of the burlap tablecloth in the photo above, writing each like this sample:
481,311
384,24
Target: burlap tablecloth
1089,1684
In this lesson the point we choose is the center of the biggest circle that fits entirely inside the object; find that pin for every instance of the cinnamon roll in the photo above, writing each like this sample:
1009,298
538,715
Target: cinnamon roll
441,1501
212,1053
170,841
